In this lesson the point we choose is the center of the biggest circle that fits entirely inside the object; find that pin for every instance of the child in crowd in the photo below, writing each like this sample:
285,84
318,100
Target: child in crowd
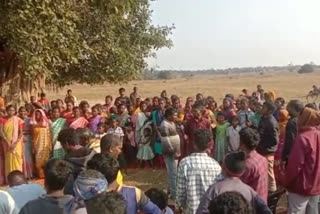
115,129
233,135
130,146
145,152
159,198
221,137
100,133
244,113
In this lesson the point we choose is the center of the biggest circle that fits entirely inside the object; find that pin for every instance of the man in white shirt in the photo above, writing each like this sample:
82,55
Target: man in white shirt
21,191
7,204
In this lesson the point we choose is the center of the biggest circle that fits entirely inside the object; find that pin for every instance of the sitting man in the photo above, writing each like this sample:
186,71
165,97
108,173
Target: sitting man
21,191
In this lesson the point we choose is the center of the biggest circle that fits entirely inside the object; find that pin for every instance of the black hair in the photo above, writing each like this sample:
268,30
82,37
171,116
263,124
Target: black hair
270,106
158,197
109,141
230,203
220,114
16,174
235,162
169,112
101,124
297,105
312,105
55,108
107,203
109,97
22,107
202,139
249,137
57,173
122,89
198,106
69,90
10,106
67,136
42,94
149,130
281,100
83,133
236,117
105,164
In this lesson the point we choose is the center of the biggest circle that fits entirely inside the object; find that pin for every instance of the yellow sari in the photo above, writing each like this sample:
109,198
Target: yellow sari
13,160
42,144
42,147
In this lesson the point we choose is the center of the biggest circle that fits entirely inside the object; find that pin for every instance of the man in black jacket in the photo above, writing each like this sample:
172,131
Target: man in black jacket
294,108
269,139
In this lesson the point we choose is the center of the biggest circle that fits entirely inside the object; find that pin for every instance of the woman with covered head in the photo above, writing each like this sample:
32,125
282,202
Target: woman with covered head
42,144
303,169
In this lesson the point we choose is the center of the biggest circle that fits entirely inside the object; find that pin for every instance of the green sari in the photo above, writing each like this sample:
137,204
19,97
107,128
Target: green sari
56,127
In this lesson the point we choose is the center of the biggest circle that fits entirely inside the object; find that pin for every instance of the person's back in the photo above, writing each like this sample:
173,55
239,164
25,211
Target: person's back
25,193
47,204
7,204
196,173
231,203
269,133
21,191
57,173
304,164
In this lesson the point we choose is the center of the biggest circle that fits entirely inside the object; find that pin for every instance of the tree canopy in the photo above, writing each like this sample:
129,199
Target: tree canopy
60,42
306,68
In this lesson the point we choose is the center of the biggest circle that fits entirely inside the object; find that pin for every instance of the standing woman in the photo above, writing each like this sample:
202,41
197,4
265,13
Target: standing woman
141,121
57,125
95,119
42,145
78,121
12,141
27,142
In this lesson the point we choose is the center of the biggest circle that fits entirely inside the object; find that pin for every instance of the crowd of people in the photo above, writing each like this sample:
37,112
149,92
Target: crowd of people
226,158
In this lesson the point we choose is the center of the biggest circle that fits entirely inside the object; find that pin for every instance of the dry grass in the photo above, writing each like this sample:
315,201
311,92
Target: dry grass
287,85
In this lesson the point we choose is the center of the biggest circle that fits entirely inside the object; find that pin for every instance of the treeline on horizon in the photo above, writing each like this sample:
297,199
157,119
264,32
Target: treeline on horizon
153,74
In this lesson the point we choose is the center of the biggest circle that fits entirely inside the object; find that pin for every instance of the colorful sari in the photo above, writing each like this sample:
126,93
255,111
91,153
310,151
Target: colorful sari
81,122
13,160
93,124
42,145
56,127
27,139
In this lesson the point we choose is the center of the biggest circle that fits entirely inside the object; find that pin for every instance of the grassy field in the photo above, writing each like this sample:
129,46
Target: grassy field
287,85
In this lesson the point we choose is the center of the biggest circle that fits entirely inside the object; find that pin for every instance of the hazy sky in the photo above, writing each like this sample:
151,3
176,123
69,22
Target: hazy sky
238,33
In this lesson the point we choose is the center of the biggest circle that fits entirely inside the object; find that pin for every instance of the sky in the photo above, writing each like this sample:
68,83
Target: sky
223,34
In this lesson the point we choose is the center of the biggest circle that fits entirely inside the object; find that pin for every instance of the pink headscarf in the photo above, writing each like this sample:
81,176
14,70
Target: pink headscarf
45,122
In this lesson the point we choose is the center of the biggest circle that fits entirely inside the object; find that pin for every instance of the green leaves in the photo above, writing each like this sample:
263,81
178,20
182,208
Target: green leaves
84,41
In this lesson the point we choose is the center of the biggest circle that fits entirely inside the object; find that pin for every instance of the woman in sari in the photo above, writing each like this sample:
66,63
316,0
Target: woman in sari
141,121
123,117
157,118
85,109
57,125
95,119
78,121
68,113
27,142
42,144
12,141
